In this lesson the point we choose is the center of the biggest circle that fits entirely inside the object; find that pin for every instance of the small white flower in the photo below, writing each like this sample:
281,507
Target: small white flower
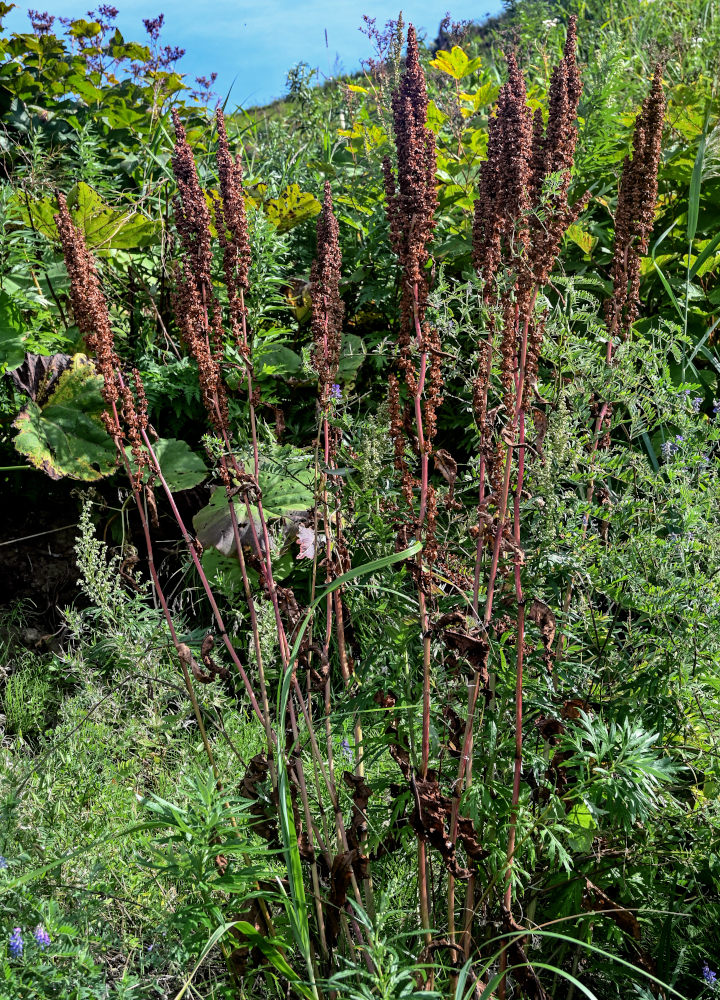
550,23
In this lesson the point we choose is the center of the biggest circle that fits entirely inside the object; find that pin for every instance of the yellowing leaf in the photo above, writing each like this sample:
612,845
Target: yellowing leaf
483,97
581,238
455,63
291,208
65,435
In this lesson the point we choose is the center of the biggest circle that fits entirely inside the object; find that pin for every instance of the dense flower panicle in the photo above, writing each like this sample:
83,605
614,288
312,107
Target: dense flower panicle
327,306
635,211
519,222
192,320
231,224
192,215
92,318
411,196
411,205
197,310
553,154
413,201
504,180
42,937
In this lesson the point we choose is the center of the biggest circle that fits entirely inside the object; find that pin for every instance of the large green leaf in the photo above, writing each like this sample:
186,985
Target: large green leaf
352,355
65,436
286,480
275,359
455,63
12,334
182,468
103,227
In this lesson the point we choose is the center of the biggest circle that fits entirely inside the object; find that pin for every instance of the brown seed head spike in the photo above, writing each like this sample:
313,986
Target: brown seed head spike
93,321
327,306
504,179
635,211
411,205
554,153
192,215
412,200
233,207
197,311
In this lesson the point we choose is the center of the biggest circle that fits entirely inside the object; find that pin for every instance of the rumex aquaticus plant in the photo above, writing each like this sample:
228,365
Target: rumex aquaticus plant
521,215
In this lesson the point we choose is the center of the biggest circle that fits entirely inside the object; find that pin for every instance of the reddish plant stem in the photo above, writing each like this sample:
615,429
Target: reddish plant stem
204,581
520,632
424,618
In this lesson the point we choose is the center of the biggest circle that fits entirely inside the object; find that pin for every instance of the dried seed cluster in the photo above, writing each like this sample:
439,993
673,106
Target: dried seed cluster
327,306
635,211
92,318
411,206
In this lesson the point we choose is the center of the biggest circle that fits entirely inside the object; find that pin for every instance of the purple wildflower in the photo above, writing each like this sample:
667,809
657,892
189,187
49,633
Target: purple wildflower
3,862
42,937
347,751
153,25
709,976
716,406
16,943
697,402
336,391
41,21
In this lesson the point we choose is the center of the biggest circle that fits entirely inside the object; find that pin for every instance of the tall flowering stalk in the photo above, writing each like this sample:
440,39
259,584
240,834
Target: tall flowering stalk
203,325
411,206
327,316
521,215
635,212
125,418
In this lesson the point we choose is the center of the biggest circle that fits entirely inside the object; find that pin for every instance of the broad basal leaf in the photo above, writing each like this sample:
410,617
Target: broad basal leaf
65,435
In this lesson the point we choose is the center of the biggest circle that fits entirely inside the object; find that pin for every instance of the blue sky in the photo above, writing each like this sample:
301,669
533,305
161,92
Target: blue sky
255,43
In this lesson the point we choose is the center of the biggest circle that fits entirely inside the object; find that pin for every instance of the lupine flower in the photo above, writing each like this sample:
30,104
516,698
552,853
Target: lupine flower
716,406
697,403
347,751
3,862
16,943
336,391
42,937
709,976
